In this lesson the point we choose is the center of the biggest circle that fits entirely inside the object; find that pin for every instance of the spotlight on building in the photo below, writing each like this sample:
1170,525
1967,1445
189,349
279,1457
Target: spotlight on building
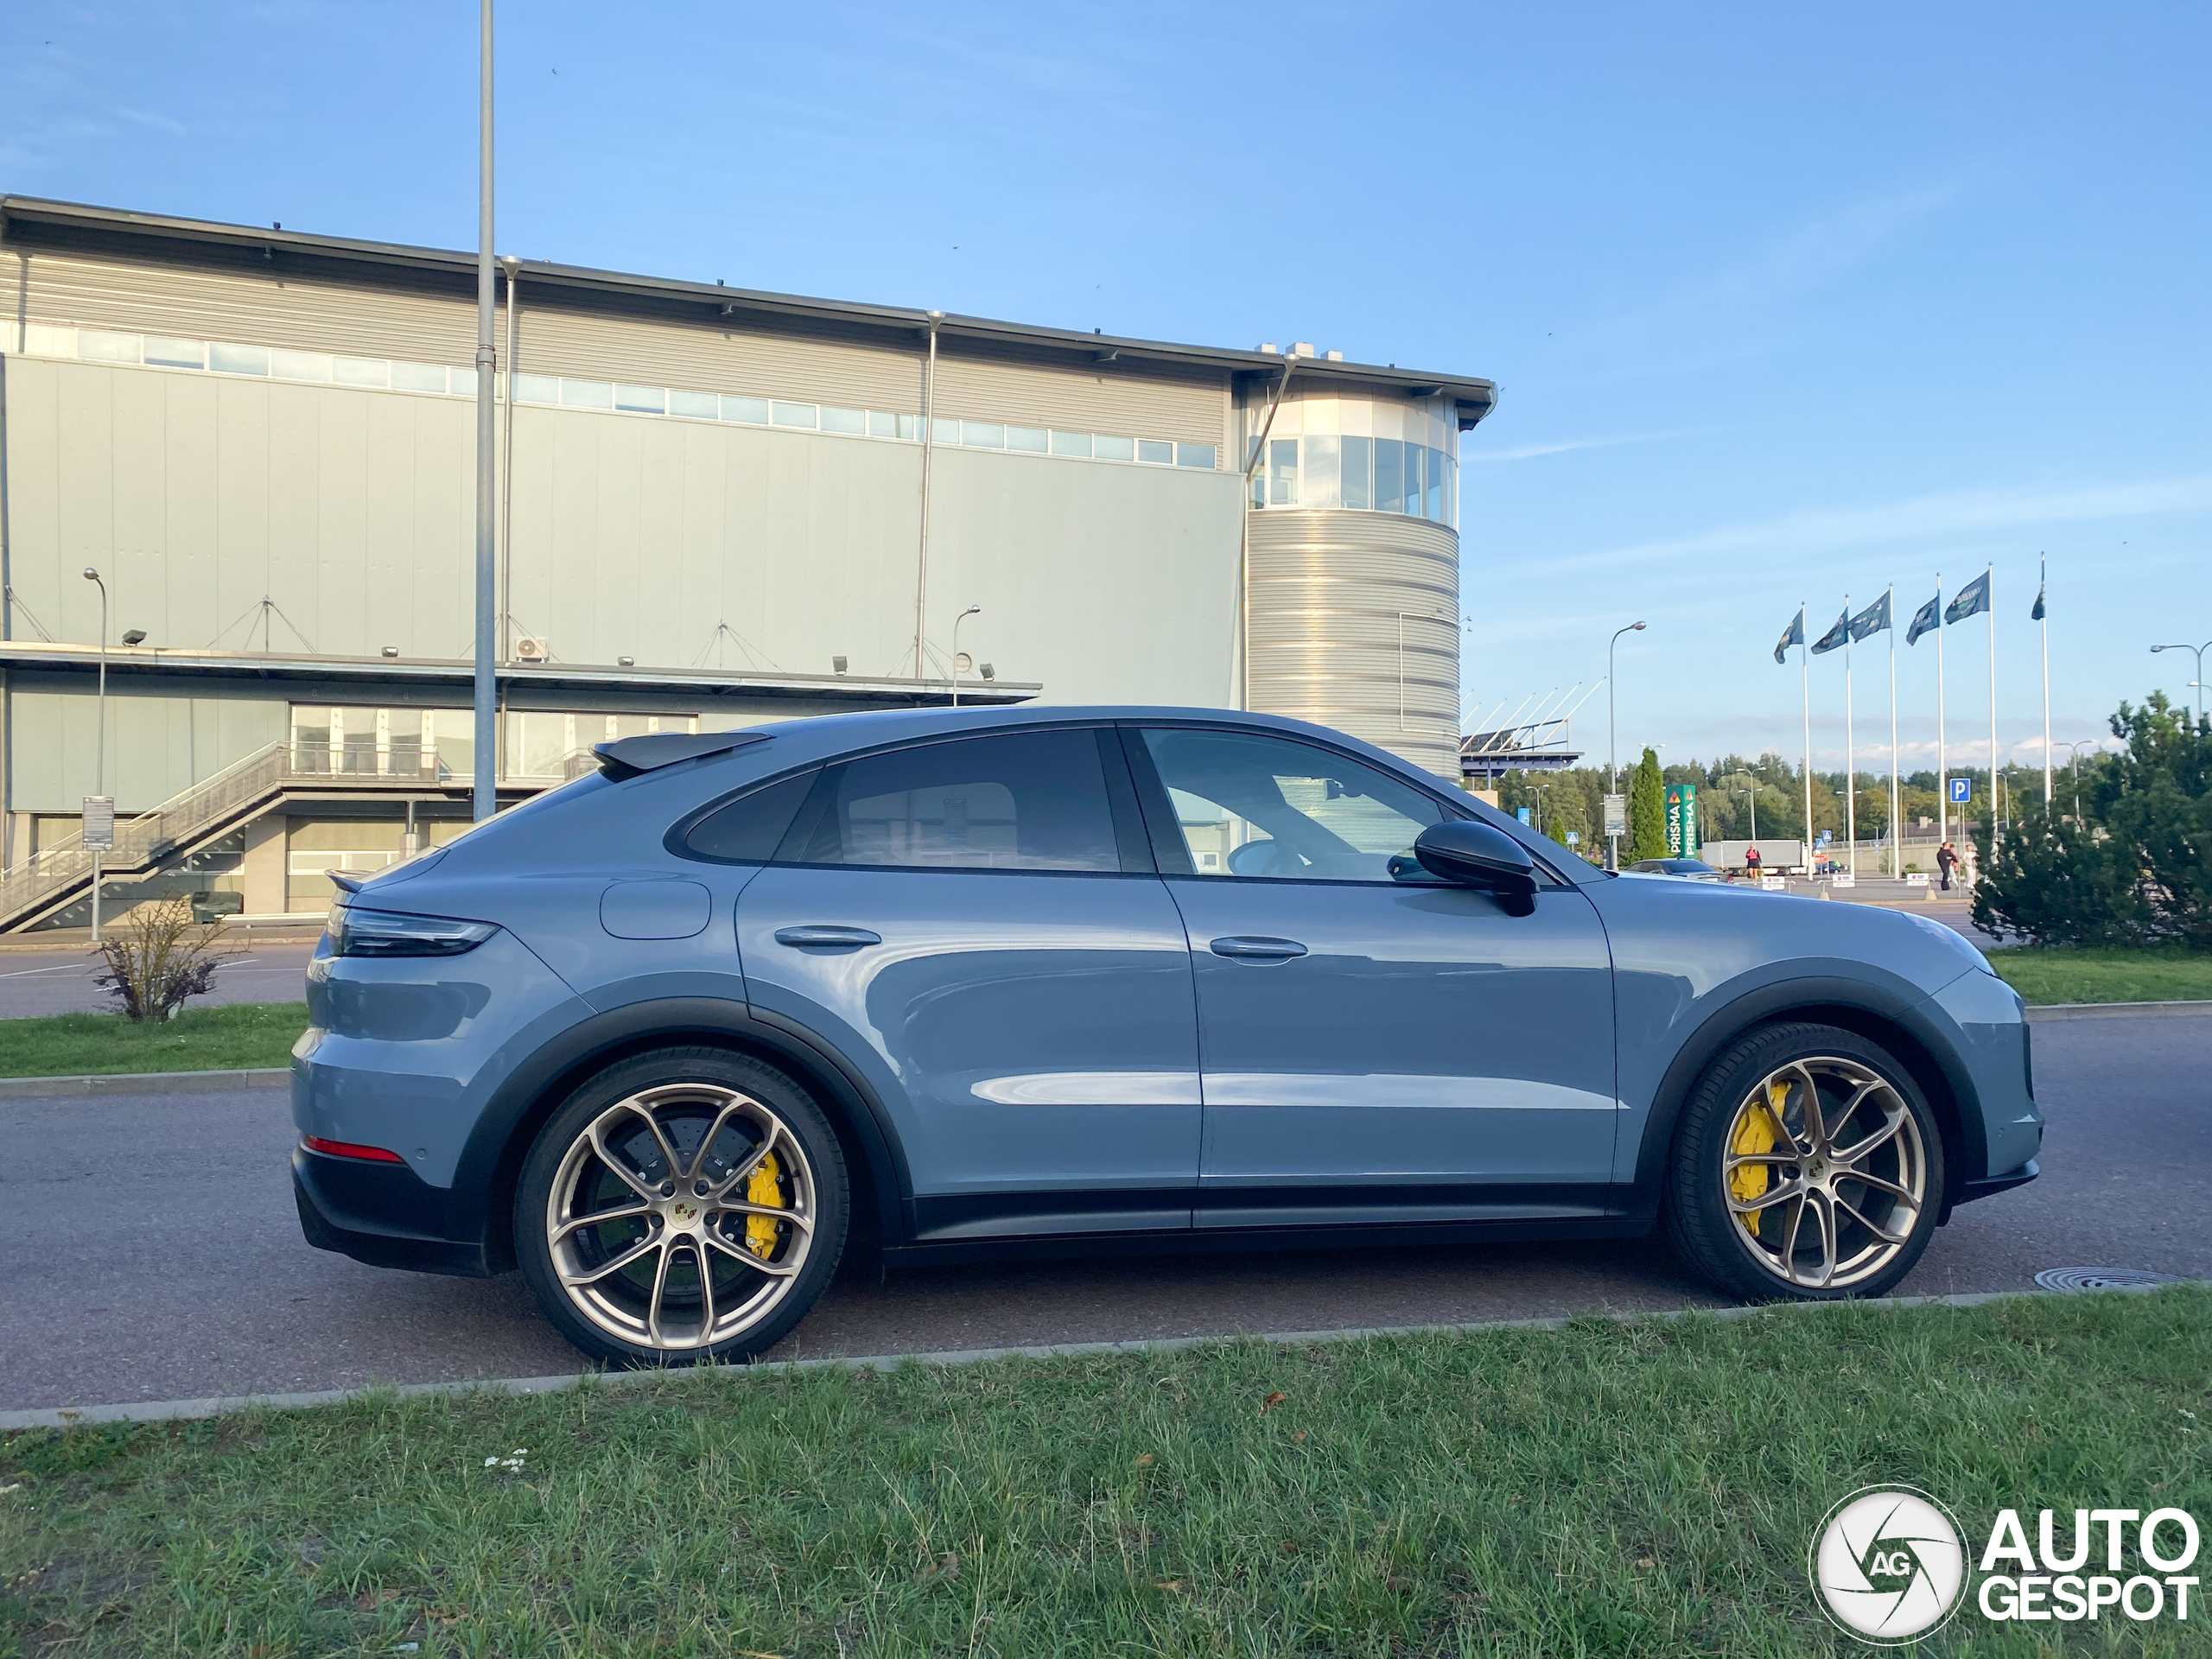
626,662
837,664
134,636
391,651
988,672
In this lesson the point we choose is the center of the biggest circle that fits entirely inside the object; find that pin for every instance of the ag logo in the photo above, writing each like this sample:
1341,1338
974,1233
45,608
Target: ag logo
1887,1565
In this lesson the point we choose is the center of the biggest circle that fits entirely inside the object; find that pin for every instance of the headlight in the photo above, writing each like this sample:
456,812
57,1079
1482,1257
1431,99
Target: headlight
1956,940
357,933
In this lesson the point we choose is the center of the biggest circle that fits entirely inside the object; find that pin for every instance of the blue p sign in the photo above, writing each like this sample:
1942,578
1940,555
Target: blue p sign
1521,813
1962,789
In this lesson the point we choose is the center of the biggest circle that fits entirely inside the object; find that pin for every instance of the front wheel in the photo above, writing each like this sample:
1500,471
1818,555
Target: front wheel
1807,1167
683,1205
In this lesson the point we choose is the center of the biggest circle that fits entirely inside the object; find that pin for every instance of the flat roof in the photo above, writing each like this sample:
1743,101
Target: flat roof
1475,397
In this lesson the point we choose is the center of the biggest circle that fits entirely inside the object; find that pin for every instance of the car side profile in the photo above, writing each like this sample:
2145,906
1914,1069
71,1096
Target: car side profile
676,1037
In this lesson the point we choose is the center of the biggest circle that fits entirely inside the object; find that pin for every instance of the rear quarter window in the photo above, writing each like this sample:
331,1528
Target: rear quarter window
748,829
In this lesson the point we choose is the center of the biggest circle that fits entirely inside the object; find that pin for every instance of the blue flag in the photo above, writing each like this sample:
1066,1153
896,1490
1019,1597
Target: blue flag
1835,636
1970,600
1925,619
1872,620
1792,635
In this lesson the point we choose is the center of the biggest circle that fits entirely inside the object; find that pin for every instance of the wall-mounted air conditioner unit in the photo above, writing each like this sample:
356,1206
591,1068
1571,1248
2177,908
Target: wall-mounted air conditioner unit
529,649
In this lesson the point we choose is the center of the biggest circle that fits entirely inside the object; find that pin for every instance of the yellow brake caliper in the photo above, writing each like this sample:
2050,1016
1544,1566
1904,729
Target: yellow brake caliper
765,1187
1759,1132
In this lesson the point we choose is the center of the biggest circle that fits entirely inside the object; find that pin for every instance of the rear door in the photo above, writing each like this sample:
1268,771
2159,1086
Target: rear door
976,925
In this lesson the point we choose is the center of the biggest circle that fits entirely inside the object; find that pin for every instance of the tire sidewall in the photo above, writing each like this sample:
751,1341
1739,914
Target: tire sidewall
721,1070
1699,1222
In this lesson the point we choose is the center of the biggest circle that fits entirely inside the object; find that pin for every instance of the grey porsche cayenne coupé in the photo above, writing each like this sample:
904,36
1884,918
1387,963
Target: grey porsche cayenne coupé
674,1038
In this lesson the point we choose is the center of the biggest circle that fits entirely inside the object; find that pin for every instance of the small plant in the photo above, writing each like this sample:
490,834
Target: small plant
157,958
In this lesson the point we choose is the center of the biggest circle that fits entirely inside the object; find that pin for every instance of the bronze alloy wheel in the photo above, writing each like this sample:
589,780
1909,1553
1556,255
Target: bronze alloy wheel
1826,1172
1805,1166
680,1217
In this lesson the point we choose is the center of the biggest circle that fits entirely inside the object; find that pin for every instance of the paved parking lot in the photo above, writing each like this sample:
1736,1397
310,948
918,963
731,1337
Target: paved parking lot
154,1253
59,980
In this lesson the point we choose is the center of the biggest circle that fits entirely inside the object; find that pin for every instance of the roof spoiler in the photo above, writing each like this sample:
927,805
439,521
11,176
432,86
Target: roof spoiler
633,757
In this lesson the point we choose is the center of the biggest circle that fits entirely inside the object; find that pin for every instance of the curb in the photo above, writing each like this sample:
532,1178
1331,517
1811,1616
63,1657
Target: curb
157,1411
2037,1013
147,1083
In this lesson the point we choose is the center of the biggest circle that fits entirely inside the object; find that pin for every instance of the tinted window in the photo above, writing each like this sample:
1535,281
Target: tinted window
1271,806
750,829
1024,801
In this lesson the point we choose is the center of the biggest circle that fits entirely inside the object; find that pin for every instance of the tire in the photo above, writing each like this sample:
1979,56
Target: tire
661,1163
1749,1188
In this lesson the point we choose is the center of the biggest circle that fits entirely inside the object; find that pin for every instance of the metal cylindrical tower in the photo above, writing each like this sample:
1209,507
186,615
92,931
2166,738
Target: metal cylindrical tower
1354,570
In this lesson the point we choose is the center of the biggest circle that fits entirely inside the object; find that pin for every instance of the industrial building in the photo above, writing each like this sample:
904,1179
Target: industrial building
717,506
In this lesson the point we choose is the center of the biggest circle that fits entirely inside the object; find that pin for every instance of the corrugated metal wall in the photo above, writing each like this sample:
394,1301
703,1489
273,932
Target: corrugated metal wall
1332,594
595,345
254,309
1106,398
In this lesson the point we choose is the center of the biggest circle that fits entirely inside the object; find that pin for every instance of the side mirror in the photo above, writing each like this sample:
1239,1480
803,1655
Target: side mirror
1473,855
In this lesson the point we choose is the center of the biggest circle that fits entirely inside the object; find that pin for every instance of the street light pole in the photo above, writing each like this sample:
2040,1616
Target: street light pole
100,742
973,610
487,789
1612,749
2077,746
1751,795
2200,651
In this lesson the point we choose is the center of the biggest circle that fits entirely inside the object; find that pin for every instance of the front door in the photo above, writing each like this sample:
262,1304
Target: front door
961,919
1375,1046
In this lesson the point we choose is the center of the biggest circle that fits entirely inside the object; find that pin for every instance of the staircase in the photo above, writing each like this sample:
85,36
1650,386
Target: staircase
56,875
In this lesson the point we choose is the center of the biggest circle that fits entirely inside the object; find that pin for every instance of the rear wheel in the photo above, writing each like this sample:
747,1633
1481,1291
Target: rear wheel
685,1205
1807,1166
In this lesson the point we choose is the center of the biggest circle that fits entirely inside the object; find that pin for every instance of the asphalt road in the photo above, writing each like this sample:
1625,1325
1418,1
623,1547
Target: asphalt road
154,1254
61,981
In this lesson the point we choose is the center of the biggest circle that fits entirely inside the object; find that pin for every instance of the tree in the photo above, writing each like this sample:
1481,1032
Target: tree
1647,810
2138,872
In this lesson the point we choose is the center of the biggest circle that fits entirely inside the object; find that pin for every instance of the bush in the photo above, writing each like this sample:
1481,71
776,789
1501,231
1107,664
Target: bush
2139,871
157,958
1647,810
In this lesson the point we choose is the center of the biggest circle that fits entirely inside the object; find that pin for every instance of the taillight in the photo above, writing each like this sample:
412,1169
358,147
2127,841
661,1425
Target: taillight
355,932
350,1150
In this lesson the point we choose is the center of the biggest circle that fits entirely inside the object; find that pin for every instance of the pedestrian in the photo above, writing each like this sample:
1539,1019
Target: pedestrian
1947,861
1750,863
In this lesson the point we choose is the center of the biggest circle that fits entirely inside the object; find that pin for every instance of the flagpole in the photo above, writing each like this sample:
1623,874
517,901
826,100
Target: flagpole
1989,604
1805,675
1850,751
2043,579
1896,799
1942,752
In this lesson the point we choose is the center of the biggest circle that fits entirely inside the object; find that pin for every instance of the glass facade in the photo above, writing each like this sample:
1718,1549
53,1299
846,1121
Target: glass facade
1356,454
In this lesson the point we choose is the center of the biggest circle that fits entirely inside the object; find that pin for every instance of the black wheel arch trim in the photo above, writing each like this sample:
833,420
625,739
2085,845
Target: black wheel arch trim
1869,1011
491,1163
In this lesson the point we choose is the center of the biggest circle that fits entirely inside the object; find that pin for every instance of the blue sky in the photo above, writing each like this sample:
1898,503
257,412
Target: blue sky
1782,303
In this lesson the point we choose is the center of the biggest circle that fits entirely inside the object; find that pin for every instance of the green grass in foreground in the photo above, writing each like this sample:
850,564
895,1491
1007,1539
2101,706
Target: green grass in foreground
1639,1489
199,1039
2075,974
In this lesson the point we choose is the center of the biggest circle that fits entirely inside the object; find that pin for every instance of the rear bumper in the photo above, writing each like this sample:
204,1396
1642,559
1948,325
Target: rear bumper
382,1214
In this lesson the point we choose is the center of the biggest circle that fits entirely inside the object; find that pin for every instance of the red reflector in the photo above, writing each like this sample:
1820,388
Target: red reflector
348,1149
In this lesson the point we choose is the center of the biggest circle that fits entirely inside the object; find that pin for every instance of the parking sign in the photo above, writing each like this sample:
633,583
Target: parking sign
1962,789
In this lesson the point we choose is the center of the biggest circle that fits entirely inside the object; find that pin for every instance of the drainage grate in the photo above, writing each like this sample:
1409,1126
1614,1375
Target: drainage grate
2101,1278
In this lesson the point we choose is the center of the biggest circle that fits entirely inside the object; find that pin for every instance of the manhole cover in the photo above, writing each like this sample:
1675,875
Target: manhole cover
2101,1278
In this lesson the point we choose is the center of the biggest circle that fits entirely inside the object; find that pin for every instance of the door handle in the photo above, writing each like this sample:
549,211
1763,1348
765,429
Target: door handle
827,935
1249,949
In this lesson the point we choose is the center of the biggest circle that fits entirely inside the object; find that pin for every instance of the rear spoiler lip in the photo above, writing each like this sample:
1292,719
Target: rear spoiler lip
633,757
344,882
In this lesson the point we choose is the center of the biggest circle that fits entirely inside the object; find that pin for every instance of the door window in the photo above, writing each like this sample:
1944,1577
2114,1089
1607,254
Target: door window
1273,807
1020,801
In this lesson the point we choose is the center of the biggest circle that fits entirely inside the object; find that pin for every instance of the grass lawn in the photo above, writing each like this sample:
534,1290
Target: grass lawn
198,1040
1640,1489
2071,973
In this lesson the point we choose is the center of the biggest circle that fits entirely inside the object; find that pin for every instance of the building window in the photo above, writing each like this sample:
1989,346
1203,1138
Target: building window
641,400
176,353
853,420
417,377
299,366
1030,440
238,360
1195,455
1072,443
360,372
982,434
693,405
745,412
587,394
1151,449
1282,472
1107,449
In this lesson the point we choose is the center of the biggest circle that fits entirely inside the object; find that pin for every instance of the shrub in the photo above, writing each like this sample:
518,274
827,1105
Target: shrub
1647,810
157,957
2138,872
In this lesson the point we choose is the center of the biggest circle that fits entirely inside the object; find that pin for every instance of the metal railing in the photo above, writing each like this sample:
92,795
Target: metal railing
50,873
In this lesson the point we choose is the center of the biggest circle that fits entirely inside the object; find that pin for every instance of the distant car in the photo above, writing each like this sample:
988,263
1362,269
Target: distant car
963,983
1689,869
